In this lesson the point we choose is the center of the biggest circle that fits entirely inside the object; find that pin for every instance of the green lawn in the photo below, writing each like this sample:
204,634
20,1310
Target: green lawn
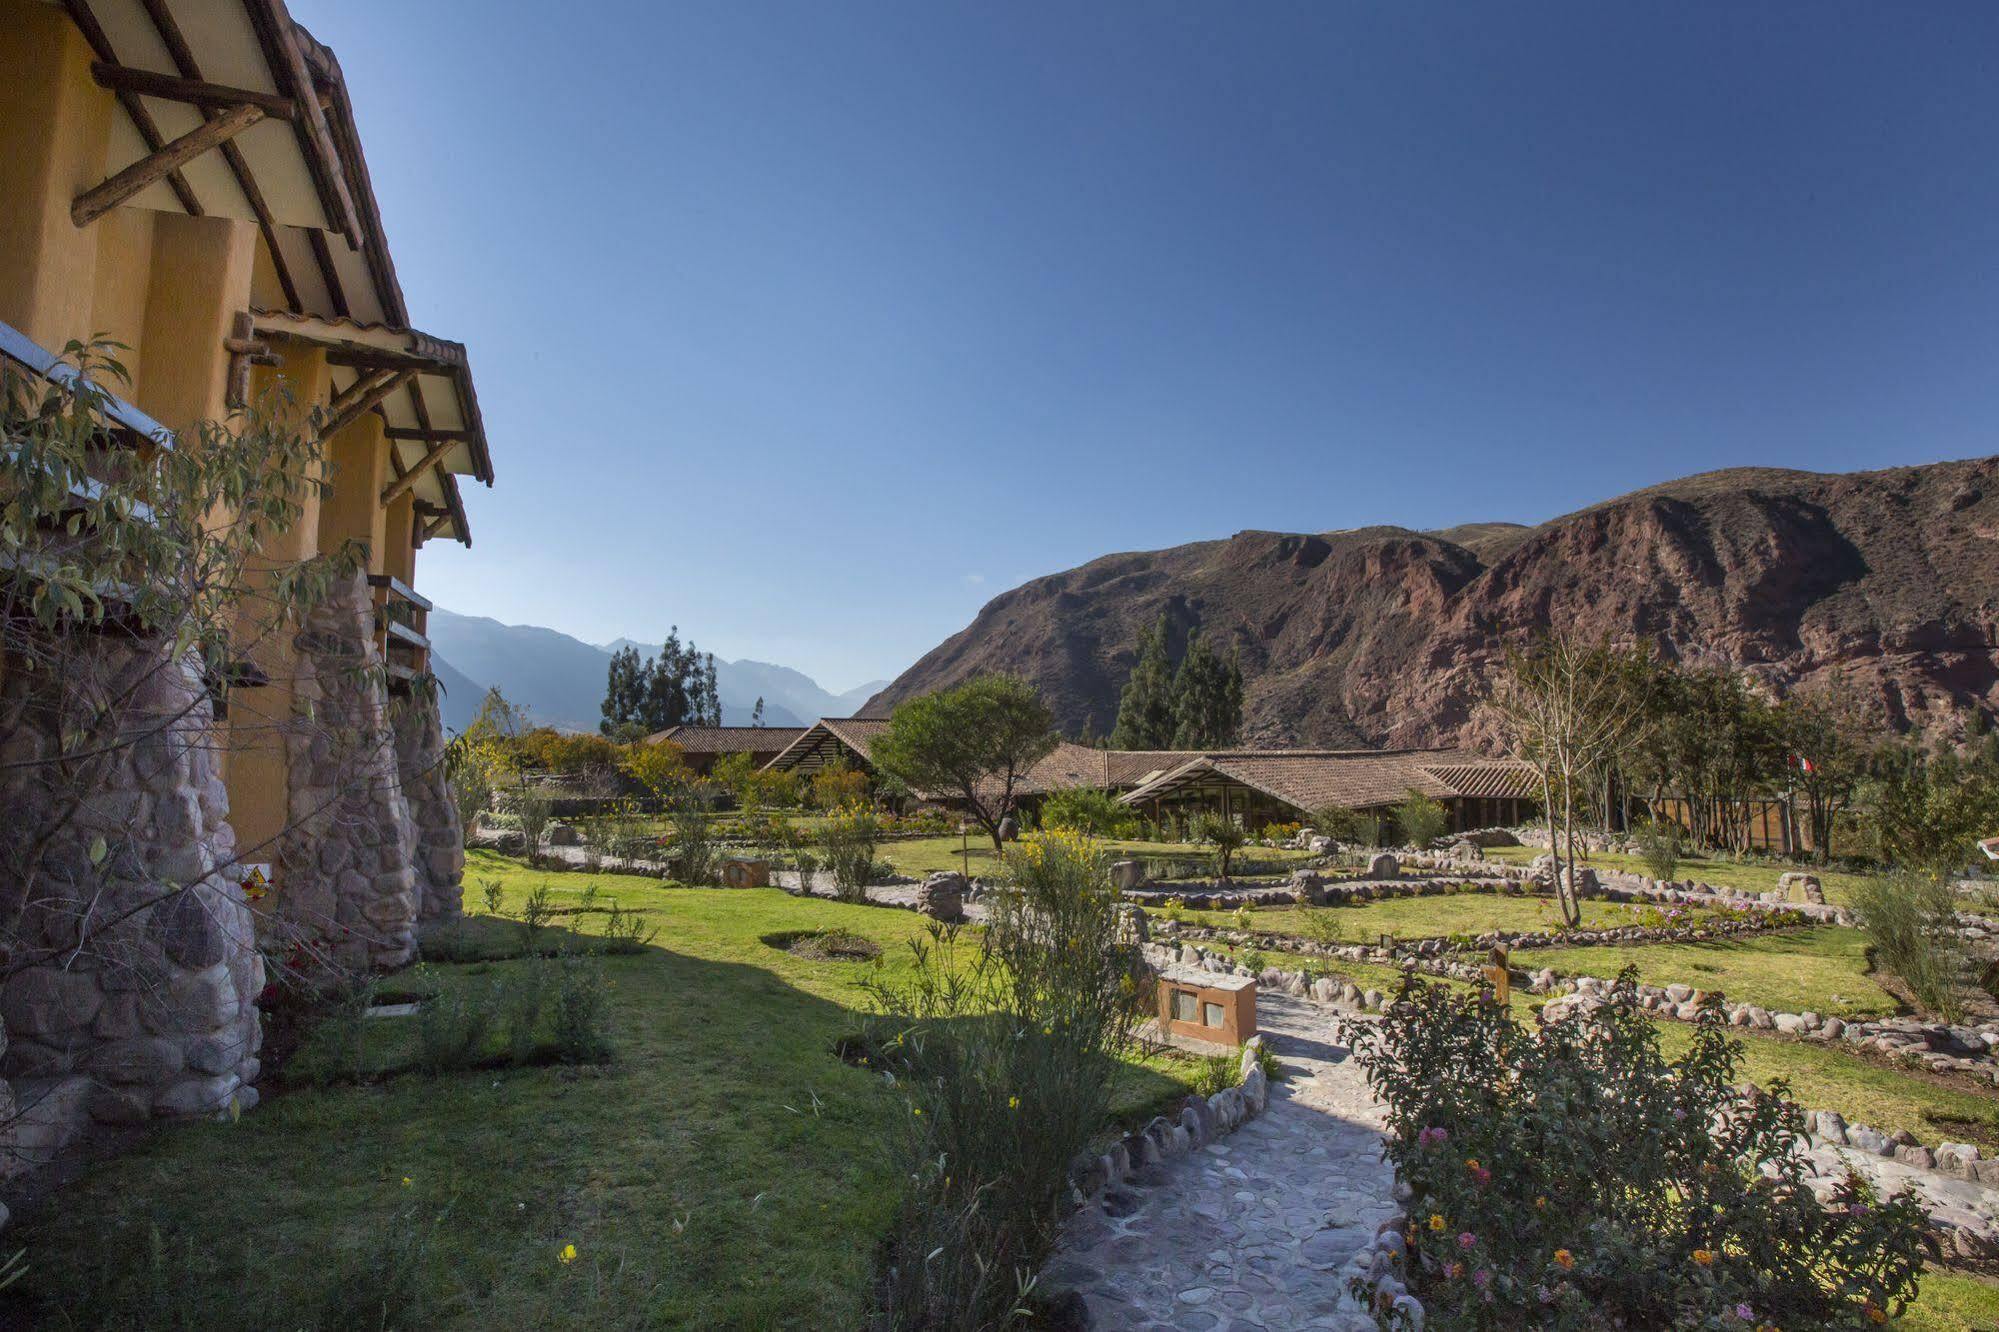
720,1171
1753,877
1823,969
1428,917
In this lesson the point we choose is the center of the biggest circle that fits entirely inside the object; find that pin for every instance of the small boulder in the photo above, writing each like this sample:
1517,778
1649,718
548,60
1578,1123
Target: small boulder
562,834
1383,865
942,896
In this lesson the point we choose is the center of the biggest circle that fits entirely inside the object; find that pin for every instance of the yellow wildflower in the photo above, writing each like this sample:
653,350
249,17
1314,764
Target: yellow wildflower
1436,1222
567,1255
1705,1257
1564,1259
406,1181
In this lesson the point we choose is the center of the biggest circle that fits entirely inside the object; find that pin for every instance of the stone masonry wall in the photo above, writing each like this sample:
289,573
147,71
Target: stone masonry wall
440,837
138,971
346,895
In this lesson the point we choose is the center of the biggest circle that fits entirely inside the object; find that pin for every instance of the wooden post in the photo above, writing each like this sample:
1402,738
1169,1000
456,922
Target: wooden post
101,199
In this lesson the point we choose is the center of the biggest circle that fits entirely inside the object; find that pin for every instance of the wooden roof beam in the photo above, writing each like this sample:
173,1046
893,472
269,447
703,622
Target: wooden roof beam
95,202
426,436
402,484
359,397
194,92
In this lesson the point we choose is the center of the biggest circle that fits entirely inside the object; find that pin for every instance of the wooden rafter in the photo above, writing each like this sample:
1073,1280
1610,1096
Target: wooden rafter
192,90
426,436
407,481
359,397
95,202
142,119
287,62
182,53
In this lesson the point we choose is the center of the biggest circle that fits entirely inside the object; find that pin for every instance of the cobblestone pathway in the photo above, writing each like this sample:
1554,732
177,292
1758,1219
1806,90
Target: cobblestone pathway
1254,1230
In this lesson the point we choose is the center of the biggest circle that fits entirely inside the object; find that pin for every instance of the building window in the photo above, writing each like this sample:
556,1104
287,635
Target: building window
1186,1006
1211,1015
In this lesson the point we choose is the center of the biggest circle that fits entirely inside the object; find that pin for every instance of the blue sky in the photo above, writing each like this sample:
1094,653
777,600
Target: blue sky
811,326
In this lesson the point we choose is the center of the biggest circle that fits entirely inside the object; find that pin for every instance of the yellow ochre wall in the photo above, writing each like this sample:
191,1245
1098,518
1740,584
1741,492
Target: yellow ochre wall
167,286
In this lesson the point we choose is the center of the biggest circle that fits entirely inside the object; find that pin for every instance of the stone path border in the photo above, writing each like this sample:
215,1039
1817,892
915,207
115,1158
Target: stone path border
1265,1229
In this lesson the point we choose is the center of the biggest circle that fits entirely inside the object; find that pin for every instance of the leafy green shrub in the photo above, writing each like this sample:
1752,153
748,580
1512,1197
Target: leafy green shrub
693,848
1358,827
1420,819
1323,925
1226,836
1660,847
1909,921
581,1001
1217,1073
627,931
1006,1064
1254,959
537,910
1089,810
452,1028
1572,1177
521,1007
849,840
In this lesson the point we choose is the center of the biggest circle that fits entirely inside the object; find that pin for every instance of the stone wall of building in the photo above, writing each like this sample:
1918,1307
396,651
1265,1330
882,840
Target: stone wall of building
440,836
346,894
119,893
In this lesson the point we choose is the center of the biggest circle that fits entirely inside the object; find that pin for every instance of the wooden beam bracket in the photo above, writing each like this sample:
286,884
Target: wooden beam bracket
245,349
395,489
359,397
95,202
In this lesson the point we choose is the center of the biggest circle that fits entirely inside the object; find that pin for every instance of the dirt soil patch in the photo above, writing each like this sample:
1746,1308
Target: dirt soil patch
825,945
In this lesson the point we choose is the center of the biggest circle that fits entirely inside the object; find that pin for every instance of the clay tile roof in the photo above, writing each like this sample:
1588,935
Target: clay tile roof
1353,778
729,739
857,734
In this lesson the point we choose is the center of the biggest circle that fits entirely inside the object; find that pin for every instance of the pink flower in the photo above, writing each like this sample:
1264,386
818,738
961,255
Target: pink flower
1430,1135
1856,1209
1466,1239
1745,1313
1481,1278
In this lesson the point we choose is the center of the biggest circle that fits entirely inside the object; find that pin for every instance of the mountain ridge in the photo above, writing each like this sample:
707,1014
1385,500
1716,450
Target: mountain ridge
1389,635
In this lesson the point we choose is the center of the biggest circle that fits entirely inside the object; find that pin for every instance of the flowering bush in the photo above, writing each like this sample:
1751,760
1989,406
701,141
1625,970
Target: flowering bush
1572,1177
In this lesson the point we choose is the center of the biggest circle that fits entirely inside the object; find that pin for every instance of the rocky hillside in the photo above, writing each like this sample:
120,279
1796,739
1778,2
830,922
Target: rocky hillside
1388,636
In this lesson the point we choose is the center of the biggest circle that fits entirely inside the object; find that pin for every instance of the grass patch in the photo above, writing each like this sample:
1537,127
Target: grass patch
1823,969
1747,876
720,1171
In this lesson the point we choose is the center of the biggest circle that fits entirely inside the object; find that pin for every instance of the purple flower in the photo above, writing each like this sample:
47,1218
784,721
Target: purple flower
1466,1239
1481,1278
1856,1209
1745,1313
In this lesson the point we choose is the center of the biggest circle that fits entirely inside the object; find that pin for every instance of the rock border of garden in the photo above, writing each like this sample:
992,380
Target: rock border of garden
1202,1120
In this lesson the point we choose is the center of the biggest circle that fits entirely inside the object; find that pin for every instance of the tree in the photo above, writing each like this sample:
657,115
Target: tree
757,712
976,741
1928,816
836,785
1207,698
624,690
1821,734
1570,705
676,688
1225,835
660,767
1145,713
1420,819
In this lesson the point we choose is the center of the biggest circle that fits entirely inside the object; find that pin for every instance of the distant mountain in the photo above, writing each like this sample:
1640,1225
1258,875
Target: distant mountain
560,680
1887,582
